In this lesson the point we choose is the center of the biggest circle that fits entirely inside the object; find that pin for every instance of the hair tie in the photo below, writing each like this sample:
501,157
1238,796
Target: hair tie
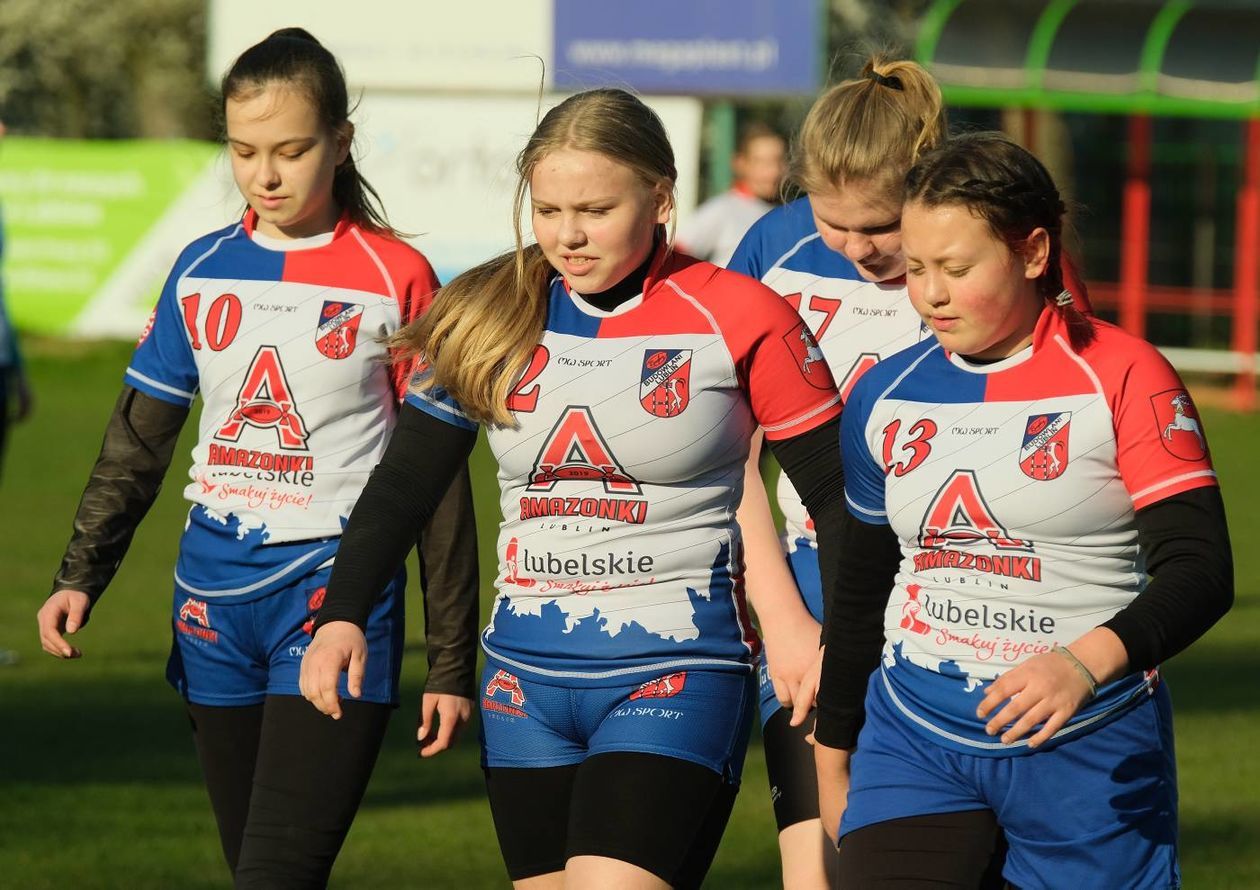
891,81
1064,298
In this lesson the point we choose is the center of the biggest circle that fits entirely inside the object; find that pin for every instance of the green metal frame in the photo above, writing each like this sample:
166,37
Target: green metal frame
1034,95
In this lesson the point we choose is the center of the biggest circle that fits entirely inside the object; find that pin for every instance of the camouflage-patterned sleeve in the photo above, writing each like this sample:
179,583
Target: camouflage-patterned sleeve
447,547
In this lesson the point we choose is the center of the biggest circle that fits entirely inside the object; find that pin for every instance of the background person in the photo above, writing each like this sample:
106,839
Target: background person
716,227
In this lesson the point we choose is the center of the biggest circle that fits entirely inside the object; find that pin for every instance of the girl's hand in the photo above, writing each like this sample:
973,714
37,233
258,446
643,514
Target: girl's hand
807,692
65,612
337,646
1046,688
442,716
791,640
832,765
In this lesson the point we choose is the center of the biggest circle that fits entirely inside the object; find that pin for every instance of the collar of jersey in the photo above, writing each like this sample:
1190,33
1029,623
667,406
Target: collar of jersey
658,271
250,222
1047,325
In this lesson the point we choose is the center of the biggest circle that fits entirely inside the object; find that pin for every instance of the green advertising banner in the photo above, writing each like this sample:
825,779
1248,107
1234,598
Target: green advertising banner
74,211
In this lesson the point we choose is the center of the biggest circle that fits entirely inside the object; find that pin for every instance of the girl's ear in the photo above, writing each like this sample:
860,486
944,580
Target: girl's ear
1036,253
663,201
345,138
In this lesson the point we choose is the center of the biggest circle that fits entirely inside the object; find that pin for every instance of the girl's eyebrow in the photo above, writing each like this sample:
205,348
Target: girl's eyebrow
290,141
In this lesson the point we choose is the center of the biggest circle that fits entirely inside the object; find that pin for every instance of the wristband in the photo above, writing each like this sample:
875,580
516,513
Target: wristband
1080,668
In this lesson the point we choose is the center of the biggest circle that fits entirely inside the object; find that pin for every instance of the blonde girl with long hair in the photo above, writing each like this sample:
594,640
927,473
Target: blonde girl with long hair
618,382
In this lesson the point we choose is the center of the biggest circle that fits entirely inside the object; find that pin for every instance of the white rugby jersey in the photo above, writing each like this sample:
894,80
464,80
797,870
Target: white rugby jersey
619,553
1013,488
856,322
299,394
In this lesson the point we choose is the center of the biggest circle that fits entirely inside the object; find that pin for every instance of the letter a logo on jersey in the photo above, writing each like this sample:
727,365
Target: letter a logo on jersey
266,401
665,384
958,516
575,451
1044,454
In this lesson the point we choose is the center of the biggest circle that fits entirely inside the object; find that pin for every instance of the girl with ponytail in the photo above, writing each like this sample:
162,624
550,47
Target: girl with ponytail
275,320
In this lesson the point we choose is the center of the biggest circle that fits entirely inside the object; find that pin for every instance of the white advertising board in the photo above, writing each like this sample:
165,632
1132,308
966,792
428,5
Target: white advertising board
488,45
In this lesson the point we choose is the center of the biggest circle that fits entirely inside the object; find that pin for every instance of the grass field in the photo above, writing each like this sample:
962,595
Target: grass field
99,786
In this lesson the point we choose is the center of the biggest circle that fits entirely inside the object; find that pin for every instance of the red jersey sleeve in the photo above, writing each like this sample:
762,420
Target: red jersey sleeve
1161,448
777,360
414,297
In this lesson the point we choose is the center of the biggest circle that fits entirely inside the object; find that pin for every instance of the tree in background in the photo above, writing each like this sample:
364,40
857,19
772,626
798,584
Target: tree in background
85,69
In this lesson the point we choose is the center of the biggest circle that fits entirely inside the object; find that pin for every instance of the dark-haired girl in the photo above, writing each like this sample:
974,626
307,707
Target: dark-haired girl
1010,484
278,321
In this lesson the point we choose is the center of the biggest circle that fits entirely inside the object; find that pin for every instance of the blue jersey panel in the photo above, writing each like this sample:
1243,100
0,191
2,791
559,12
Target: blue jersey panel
563,315
163,365
220,560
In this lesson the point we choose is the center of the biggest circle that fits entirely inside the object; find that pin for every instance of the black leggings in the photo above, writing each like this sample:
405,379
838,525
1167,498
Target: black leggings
285,782
946,851
660,813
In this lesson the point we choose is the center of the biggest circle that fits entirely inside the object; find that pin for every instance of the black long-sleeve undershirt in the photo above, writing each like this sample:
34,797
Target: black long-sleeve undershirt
401,496
1185,540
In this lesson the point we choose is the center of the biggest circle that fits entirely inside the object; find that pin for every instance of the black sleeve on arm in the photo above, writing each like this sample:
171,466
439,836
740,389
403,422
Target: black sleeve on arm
137,449
812,461
402,495
1185,540
868,557
857,563
448,574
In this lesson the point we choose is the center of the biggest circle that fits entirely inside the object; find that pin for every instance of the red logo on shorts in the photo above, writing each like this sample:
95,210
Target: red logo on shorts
502,681
195,610
313,604
661,687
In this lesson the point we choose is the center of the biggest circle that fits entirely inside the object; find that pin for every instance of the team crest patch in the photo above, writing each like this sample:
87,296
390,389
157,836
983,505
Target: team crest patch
504,695
809,357
338,330
661,687
1177,421
665,383
1044,453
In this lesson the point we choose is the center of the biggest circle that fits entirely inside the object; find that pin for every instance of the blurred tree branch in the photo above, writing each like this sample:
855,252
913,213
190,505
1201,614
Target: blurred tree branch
80,68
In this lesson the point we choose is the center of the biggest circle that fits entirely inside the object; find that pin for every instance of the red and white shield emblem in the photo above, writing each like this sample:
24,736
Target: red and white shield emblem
665,382
338,330
809,357
1044,454
1177,421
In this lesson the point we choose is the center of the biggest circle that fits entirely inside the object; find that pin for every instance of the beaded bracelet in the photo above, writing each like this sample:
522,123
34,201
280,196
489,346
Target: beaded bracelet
1080,668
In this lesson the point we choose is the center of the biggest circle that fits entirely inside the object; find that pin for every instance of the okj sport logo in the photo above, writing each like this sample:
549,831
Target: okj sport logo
337,333
665,381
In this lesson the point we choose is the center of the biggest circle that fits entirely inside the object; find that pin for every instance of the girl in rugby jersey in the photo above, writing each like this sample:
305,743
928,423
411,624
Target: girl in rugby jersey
835,256
1010,484
619,383
278,321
